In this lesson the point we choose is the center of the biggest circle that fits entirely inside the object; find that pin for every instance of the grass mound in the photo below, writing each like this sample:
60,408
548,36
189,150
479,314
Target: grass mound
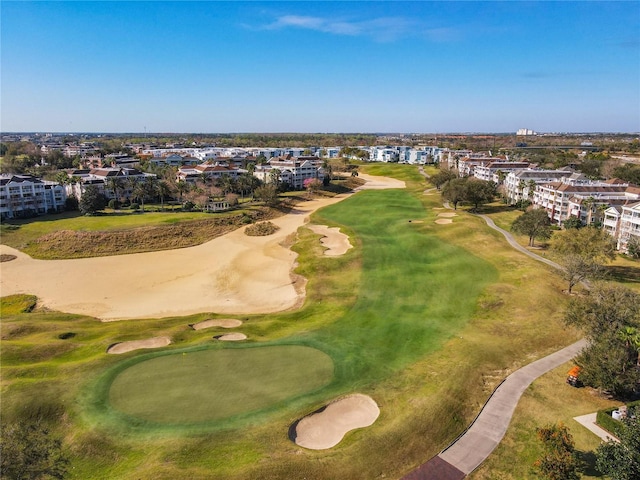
80,244
15,304
261,229
208,385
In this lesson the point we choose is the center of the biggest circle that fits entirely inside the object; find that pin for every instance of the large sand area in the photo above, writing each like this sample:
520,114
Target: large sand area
231,274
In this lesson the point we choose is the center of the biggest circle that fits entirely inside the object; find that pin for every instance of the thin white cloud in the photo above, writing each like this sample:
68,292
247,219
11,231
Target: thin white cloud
382,29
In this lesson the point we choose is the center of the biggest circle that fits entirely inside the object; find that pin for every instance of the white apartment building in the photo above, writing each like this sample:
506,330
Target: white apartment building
291,170
26,195
520,184
384,154
629,225
491,171
99,177
209,170
555,197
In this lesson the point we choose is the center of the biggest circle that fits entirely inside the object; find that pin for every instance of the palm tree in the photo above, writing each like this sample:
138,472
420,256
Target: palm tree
113,184
226,184
130,183
164,190
589,203
182,187
244,183
521,186
631,338
532,188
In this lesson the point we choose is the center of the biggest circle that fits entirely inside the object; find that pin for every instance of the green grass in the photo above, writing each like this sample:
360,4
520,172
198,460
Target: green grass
427,319
208,385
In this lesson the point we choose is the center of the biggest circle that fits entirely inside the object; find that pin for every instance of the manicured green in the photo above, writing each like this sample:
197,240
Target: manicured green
208,385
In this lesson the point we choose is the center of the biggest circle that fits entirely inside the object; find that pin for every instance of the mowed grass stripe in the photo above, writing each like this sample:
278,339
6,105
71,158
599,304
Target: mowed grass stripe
416,291
207,385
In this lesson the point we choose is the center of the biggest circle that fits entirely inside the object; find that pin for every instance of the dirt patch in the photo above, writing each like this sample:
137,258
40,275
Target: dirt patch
326,427
221,322
337,243
124,347
231,337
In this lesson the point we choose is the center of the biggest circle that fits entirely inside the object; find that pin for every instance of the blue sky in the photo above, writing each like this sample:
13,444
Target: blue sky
211,66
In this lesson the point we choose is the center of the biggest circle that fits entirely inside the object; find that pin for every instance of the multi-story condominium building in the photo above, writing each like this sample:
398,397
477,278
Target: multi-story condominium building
466,165
26,195
520,184
454,157
497,171
611,220
126,179
210,171
629,225
290,170
384,154
555,197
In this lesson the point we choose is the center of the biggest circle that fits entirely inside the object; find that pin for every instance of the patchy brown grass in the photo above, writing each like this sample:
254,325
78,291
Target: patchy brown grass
81,244
261,229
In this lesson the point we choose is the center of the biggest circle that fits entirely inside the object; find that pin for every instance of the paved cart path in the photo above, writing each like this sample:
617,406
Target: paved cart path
473,447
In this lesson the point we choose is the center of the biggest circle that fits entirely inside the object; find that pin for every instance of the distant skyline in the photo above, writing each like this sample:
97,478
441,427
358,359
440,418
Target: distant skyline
322,67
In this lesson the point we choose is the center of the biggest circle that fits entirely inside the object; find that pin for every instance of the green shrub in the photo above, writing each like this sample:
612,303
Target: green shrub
611,425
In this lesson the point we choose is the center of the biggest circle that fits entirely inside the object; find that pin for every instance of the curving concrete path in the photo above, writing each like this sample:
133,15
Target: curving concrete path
470,449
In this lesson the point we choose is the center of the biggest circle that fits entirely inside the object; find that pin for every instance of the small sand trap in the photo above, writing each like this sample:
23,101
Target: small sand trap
448,215
125,347
326,428
416,221
444,221
220,322
231,337
337,243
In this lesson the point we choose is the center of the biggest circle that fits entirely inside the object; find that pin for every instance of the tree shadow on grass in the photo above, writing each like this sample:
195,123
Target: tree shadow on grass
624,274
587,462
495,208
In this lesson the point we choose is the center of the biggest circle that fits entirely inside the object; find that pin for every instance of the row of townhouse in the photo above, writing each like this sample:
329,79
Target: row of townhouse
26,195
404,154
623,223
125,177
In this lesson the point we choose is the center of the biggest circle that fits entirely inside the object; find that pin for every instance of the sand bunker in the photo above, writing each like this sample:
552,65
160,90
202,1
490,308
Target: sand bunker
232,274
337,243
448,215
125,347
221,322
231,337
326,428
444,221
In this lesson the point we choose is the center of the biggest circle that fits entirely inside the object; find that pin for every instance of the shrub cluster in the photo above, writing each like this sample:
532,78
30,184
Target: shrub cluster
261,229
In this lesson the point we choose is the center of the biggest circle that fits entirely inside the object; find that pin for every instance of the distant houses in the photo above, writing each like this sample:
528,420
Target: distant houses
124,178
